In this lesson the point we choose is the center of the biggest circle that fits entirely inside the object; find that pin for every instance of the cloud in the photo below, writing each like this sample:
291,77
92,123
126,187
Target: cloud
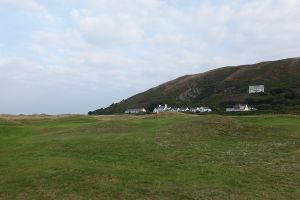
107,50
31,7
114,22
163,35
24,72
108,30
67,38
267,28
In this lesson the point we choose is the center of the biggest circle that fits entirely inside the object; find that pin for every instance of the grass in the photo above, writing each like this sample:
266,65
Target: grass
143,157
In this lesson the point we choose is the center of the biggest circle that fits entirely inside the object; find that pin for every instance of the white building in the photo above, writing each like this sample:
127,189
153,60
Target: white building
135,111
201,109
205,109
239,108
256,89
165,108
161,108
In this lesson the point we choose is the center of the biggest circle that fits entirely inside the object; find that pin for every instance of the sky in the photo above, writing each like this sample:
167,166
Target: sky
74,56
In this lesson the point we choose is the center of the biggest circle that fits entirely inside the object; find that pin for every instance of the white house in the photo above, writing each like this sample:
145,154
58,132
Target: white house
256,89
201,109
205,109
183,109
239,108
161,108
135,111
165,108
197,109
174,109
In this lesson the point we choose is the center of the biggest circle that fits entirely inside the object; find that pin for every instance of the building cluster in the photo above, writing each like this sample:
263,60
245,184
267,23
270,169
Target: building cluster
240,108
165,108
237,108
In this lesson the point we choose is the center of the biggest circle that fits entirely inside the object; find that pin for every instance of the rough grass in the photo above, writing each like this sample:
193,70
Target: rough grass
146,157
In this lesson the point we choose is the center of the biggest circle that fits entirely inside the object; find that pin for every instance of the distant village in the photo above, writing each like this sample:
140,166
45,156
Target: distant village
201,109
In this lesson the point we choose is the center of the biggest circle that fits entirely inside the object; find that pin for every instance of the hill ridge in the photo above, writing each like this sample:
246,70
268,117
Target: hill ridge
224,86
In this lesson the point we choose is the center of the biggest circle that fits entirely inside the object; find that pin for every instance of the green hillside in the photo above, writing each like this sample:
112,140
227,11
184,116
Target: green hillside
224,87
173,156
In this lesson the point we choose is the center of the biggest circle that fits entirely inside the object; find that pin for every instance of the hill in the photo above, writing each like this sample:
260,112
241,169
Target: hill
224,87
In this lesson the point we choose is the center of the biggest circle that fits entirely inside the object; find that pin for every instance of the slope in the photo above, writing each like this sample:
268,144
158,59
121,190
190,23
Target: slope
223,87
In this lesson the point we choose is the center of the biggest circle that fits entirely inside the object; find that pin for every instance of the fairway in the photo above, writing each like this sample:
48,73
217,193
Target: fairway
172,156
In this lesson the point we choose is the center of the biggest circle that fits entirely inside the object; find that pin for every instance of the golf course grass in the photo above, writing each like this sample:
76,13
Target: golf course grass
171,156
